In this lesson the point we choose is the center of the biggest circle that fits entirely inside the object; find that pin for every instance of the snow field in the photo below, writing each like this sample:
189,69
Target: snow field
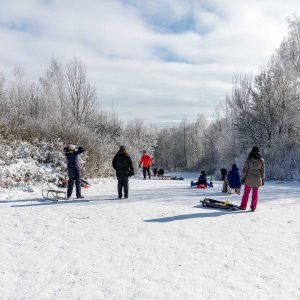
158,244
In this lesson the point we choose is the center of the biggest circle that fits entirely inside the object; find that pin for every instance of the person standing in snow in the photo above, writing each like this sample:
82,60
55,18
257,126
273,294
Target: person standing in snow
223,173
122,163
253,177
147,161
71,154
234,179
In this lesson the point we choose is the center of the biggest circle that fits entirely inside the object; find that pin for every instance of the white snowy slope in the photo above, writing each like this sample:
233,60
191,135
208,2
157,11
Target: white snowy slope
158,244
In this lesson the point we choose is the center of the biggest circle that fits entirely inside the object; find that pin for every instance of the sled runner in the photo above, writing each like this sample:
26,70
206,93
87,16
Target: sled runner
207,202
54,195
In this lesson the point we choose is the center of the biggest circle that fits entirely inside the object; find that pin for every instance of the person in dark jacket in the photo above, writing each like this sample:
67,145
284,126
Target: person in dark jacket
234,179
155,172
202,179
71,154
160,172
122,163
223,173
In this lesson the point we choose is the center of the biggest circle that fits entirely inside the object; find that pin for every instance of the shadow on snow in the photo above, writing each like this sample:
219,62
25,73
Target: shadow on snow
194,216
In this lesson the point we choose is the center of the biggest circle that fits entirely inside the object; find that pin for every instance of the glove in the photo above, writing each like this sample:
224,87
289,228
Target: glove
139,165
243,181
130,173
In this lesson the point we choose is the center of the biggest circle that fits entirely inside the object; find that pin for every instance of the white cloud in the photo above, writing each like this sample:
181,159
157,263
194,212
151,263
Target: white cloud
118,41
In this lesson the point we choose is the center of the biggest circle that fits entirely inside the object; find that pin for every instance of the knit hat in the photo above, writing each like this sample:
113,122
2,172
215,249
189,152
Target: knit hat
122,148
255,149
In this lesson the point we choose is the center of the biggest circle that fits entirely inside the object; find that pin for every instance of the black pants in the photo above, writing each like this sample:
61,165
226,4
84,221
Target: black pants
146,170
71,184
123,183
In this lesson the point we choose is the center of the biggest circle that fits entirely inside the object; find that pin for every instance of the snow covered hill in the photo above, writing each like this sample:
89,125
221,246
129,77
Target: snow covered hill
158,244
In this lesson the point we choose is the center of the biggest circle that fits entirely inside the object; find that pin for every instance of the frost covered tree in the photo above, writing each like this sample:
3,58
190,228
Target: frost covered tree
80,94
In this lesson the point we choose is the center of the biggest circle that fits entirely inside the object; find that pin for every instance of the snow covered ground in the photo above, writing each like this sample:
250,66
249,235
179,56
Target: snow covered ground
158,244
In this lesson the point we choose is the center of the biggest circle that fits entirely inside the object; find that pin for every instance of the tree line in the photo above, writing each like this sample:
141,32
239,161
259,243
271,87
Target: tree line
62,106
262,110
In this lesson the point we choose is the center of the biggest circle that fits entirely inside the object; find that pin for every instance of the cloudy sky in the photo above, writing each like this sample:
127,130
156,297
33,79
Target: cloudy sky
160,60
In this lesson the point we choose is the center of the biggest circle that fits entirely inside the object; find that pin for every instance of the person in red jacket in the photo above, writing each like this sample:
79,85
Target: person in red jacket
147,162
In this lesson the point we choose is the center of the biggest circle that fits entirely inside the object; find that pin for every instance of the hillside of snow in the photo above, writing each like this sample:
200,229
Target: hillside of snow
158,244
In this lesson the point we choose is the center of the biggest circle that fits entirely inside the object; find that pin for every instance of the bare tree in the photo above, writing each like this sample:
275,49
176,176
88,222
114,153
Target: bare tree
81,95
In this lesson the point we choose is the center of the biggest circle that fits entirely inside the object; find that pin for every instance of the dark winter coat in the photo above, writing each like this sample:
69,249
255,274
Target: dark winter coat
72,161
223,173
122,163
202,179
234,177
254,170
160,172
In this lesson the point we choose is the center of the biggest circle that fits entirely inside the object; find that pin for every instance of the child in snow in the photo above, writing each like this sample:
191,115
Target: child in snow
160,172
155,172
253,177
234,179
62,182
202,179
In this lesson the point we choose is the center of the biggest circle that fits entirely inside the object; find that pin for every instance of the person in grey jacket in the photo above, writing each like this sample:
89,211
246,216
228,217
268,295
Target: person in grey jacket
253,177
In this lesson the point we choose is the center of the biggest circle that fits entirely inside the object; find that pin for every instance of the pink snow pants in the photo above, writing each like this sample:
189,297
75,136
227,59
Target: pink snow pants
246,196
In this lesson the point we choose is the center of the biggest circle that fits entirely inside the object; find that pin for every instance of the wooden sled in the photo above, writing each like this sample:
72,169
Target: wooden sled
54,195
166,177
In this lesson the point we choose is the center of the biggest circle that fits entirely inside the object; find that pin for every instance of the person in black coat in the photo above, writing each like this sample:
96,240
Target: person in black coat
202,179
122,163
223,173
160,172
71,154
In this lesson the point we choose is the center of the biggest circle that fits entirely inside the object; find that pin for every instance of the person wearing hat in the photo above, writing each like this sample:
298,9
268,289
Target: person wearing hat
147,161
122,163
71,153
253,177
202,179
234,180
223,173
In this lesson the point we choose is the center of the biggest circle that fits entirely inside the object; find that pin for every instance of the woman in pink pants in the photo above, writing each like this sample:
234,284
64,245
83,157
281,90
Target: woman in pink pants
253,177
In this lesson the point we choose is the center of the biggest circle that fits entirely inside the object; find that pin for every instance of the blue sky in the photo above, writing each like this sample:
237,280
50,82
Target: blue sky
159,60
